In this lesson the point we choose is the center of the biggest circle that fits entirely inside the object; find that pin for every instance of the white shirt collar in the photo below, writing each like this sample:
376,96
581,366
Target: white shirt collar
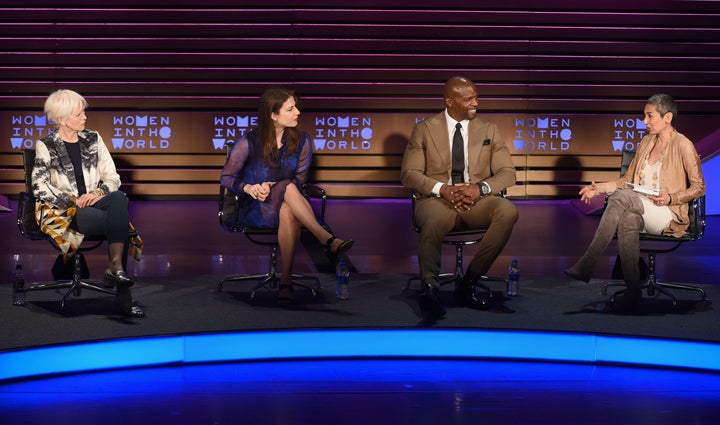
451,123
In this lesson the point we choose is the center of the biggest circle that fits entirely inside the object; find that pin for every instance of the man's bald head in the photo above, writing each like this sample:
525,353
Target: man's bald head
455,84
461,98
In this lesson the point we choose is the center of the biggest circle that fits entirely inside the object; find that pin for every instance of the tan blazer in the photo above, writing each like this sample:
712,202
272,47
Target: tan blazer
680,175
428,159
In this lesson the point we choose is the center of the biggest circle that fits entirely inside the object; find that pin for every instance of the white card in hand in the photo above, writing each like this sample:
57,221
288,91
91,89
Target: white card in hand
643,189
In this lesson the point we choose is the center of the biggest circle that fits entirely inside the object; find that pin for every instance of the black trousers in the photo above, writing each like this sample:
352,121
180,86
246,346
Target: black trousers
108,217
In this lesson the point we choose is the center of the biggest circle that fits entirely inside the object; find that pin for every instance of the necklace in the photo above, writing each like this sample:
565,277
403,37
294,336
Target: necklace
660,148
649,175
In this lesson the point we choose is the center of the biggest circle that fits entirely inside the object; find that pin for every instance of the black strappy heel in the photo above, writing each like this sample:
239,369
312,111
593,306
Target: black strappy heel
342,248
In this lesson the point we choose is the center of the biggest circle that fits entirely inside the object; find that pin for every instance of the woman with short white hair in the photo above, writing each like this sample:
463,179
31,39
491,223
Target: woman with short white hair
76,184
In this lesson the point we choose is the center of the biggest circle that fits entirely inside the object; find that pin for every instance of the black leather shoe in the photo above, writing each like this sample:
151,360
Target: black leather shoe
468,297
118,279
465,294
131,310
134,310
430,302
126,304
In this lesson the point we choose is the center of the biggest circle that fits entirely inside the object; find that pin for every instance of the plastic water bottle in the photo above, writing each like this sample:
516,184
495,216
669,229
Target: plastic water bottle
342,276
513,283
18,288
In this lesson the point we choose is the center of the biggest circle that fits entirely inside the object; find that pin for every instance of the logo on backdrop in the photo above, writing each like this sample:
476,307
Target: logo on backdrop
542,134
230,129
141,132
627,133
337,133
26,129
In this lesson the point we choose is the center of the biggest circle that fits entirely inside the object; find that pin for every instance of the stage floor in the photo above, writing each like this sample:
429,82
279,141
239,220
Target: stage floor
187,254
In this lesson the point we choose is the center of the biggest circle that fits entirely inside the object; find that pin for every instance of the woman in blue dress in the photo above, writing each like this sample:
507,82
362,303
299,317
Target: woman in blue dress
267,168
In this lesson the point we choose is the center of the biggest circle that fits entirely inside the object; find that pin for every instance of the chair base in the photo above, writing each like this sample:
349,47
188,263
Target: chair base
271,280
662,287
74,286
652,285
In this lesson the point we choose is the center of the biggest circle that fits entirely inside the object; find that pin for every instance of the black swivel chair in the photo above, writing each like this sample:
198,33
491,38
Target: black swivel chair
231,221
458,239
663,244
30,229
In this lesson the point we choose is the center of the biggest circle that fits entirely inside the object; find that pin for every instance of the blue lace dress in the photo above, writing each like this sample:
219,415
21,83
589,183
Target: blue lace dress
245,165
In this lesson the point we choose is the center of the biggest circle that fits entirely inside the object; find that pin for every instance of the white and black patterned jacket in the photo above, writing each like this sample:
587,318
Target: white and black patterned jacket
53,180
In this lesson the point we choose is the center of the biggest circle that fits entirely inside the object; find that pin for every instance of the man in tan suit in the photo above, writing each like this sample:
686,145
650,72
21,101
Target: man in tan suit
456,188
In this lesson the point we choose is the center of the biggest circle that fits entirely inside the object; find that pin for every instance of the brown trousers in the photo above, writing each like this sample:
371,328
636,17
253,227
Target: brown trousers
436,218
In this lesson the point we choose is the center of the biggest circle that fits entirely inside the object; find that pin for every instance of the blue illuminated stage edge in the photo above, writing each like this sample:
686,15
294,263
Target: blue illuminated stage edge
370,344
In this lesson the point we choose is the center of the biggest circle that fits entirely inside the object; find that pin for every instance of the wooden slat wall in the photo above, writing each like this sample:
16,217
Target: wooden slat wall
559,56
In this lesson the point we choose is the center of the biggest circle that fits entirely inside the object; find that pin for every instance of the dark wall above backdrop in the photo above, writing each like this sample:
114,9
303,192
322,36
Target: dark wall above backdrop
538,60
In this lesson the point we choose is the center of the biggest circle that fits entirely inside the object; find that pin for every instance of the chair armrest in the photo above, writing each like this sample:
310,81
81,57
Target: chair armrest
696,213
227,208
312,191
